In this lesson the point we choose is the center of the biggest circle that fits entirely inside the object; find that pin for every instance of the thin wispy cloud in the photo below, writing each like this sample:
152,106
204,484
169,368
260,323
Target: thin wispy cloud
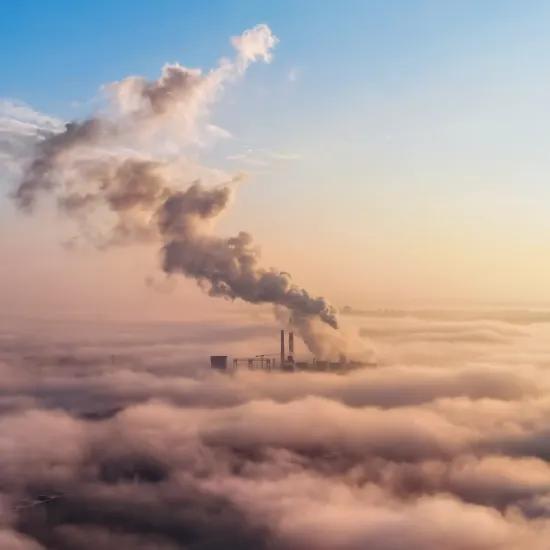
263,157
293,74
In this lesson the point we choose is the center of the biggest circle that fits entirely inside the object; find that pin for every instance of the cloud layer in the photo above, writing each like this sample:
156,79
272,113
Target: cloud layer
153,450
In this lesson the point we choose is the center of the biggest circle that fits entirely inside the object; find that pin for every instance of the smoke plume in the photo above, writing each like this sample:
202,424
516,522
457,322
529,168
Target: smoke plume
228,266
124,176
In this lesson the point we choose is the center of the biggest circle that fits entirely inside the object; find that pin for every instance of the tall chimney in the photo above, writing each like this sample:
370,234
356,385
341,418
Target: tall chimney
282,347
291,343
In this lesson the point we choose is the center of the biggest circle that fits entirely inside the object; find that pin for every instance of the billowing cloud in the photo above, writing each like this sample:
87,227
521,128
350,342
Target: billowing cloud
254,44
153,449
124,176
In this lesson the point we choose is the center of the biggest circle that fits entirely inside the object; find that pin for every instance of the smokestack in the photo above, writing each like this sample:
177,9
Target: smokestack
291,343
282,347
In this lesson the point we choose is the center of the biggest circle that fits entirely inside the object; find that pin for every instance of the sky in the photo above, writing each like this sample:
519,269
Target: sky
184,179
395,151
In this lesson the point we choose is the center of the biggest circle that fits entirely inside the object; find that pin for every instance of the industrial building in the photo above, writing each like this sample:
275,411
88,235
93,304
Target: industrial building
282,361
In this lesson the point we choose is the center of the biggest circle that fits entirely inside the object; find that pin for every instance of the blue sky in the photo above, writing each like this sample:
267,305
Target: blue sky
419,127
340,44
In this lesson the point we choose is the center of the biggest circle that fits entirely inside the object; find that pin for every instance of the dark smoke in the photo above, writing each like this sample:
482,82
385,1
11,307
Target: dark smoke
40,175
228,266
112,164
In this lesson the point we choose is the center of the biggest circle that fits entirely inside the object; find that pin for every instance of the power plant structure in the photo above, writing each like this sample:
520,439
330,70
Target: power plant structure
284,362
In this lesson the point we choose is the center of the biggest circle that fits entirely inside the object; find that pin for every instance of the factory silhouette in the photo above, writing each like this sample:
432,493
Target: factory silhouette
284,362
